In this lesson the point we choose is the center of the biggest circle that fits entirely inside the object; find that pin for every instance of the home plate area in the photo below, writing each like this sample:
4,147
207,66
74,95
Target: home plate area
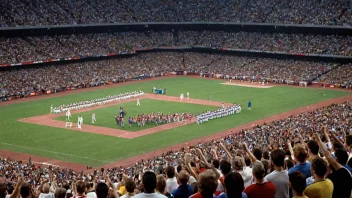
50,119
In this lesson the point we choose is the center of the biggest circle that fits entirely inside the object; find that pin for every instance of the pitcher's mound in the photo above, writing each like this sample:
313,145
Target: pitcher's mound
252,85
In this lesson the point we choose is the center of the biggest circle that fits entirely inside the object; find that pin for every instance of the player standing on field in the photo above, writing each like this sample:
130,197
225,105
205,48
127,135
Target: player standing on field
138,103
68,115
93,118
249,105
80,122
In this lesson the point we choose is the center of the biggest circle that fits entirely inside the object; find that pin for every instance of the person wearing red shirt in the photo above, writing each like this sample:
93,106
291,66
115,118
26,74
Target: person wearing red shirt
260,188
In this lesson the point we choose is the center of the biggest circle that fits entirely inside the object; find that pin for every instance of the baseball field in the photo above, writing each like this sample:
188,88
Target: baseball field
27,128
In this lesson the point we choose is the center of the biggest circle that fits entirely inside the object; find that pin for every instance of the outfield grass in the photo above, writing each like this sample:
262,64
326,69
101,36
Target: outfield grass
92,149
106,116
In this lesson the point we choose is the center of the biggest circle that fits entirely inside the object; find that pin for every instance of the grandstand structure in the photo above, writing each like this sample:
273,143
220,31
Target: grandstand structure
73,40
48,47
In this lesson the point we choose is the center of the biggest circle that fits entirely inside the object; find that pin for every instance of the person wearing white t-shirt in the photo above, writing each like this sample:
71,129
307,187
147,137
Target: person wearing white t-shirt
91,191
247,169
46,192
171,180
279,177
238,165
149,184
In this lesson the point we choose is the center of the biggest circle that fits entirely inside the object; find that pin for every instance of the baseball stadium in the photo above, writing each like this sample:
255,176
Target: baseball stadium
175,99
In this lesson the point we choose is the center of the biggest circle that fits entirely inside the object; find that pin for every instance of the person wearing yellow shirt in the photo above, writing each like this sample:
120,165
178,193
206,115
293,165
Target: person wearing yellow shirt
297,182
121,188
321,188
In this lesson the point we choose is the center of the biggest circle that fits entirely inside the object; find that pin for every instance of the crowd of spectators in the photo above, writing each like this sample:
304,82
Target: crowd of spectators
307,154
63,12
40,48
249,68
22,81
340,75
279,42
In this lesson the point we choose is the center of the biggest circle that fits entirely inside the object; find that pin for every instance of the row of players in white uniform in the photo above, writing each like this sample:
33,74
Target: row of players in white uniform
99,101
219,113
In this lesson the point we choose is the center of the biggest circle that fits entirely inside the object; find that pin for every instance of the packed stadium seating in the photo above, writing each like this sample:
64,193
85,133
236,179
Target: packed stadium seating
29,49
340,75
40,12
234,166
53,78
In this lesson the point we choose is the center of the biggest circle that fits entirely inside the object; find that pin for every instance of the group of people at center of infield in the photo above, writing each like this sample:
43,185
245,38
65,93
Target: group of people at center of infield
157,118
95,102
218,113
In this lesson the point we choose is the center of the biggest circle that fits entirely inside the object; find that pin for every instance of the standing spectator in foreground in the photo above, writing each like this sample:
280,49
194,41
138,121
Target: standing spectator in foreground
161,186
130,186
258,154
340,176
102,190
297,184
321,188
260,188
313,150
46,192
302,165
225,168
207,184
105,190
91,189
60,193
171,182
279,176
80,190
149,184
3,190
238,166
24,189
341,156
234,186
247,169
9,190
184,190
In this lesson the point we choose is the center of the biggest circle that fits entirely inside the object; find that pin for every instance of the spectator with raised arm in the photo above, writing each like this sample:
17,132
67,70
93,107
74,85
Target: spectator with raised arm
340,176
300,154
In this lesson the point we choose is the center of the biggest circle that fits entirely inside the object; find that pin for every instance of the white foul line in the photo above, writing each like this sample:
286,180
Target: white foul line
54,152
